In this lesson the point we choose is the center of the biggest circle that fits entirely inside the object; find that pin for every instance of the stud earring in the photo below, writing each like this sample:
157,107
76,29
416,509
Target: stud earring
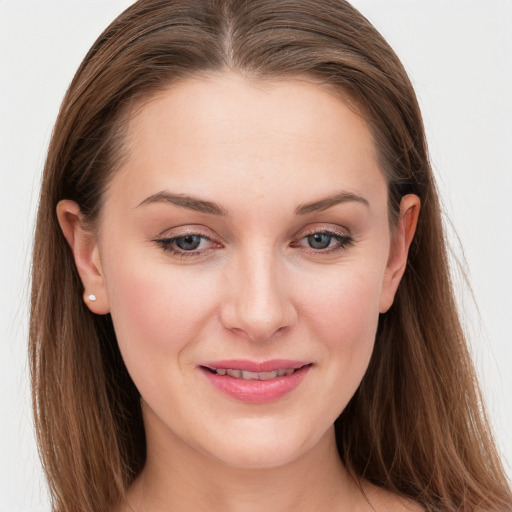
91,298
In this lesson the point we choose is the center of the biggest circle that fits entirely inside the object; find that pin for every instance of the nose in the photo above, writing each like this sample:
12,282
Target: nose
259,303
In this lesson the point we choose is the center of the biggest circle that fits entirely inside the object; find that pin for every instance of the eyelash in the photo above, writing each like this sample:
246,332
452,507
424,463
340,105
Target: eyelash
169,244
343,241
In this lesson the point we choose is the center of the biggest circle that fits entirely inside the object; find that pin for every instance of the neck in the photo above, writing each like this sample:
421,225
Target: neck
178,477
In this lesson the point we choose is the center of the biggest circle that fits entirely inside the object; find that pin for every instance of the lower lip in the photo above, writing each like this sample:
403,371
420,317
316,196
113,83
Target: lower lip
256,391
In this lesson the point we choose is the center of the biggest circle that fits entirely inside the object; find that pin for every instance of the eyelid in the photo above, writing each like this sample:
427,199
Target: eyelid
166,241
320,227
324,229
186,230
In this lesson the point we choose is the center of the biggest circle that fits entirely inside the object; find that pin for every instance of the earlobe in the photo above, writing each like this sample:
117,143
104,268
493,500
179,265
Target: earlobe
85,251
399,250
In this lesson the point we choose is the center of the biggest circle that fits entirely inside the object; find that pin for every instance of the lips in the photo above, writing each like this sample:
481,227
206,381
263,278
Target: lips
247,375
255,382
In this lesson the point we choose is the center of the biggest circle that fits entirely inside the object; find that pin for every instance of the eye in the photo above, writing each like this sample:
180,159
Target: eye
324,241
190,244
319,240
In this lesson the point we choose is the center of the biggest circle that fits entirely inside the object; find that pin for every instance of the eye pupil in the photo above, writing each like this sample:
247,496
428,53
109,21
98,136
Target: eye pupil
319,240
189,242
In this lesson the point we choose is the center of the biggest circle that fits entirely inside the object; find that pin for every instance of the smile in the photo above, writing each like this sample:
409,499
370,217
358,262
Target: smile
247,375
256,383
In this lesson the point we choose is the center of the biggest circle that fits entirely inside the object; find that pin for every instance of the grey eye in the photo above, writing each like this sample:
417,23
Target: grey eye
319,240
188,243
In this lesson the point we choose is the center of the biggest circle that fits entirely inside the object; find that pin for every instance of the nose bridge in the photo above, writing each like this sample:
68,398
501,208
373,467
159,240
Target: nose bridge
259,300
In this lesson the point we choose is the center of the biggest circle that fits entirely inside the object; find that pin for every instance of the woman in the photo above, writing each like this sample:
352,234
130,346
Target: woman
241,296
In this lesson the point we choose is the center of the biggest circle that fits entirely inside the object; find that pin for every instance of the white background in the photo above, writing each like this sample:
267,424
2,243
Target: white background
459,56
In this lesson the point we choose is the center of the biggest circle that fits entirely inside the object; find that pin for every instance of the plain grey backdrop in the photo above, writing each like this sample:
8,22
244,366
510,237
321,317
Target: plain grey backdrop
459,56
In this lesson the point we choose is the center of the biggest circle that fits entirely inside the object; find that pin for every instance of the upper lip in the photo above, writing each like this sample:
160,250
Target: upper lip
255,366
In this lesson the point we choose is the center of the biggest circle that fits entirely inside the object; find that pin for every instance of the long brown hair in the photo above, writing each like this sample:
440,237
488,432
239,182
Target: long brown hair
416,424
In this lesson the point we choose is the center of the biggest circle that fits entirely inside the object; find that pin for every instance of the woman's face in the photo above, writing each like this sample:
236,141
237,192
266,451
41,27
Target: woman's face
247,231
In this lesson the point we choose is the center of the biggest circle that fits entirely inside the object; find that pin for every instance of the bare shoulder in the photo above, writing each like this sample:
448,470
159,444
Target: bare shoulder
382,500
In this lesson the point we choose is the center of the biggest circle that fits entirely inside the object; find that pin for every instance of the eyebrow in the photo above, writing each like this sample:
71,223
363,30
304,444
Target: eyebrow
329,202
209,207
185,201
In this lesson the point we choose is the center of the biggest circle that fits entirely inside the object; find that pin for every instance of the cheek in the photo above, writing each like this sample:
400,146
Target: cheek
344,303
157,310
344,316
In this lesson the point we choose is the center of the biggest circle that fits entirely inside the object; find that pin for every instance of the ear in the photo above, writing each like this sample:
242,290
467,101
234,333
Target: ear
86,254
400,243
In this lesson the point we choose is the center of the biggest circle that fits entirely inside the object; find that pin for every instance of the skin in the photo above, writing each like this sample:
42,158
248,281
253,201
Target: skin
255,290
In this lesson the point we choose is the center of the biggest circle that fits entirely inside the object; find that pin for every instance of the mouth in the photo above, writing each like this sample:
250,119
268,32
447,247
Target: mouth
248,375
252,382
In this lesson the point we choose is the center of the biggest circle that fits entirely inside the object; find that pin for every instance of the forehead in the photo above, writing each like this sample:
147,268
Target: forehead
236,138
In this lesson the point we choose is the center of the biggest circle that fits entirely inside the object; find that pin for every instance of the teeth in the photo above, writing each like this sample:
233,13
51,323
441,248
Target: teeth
270,375
250,375
246,375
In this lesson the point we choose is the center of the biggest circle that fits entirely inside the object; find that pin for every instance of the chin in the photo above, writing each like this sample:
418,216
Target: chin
260,448
256,456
